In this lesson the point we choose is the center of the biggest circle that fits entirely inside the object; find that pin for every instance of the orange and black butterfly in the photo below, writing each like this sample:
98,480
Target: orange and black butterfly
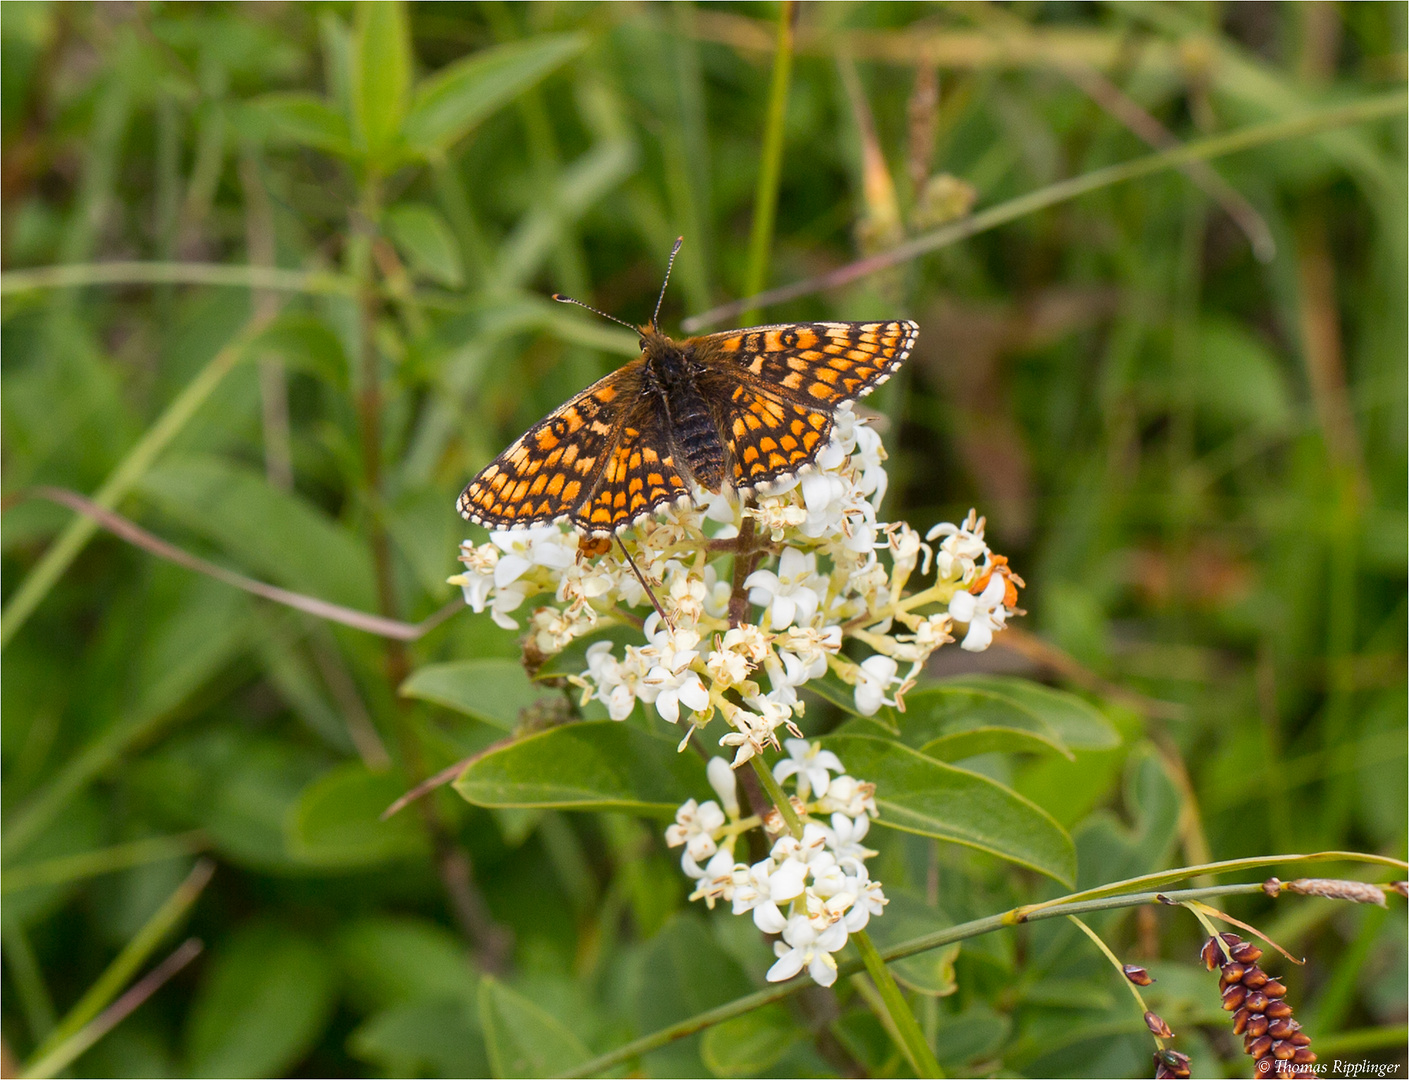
747,408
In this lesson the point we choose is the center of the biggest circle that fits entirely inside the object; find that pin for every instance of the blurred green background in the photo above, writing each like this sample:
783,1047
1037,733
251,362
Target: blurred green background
1195,456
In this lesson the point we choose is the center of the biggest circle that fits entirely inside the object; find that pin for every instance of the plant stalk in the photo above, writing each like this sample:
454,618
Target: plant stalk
770,169
912,1040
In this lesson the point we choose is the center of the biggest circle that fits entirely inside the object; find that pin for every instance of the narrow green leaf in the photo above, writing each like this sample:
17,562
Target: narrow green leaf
459,96
381,73
522,1038
306,120
601,765
264,1002
336,822
495,691
918,794
425,239
1078,723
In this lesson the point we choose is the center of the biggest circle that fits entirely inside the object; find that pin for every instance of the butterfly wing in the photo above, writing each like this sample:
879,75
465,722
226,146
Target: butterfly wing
640,474
775,389
554,468
816,364
765,437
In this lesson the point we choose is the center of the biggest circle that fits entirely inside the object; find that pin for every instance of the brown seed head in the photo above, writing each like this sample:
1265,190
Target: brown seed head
1171,1063
1232,972
1255,978
1257,1026
1245,952
1233,997
1157,1026
1136,974
1212,954
1259,1046
1277,1009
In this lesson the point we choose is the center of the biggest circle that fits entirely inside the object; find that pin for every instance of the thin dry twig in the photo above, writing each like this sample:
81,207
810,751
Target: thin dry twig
136,535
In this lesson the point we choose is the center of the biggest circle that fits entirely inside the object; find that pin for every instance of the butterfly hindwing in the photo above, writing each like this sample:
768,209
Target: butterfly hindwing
639,477
553,469
765,436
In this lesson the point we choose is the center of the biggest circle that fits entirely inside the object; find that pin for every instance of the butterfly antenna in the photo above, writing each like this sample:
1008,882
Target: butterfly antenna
560,298
655,319
669,622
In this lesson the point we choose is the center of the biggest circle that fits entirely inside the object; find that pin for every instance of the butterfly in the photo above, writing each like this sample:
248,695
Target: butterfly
743,408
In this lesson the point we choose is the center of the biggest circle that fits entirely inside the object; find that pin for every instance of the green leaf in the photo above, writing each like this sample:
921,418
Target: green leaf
977,1032
908,916
274,534
680,972
460,95
427,243
306,120
493,691
599,765
918,794
336,821
989,740
391,959
1078,723
938,710
523,1039
423,1038
265,999
381,73
751,1043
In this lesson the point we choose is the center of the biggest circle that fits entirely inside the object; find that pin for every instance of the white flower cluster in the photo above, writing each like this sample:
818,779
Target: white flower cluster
820,879
839,573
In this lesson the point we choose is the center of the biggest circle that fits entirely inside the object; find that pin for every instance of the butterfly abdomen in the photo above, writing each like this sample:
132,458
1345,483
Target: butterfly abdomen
689,418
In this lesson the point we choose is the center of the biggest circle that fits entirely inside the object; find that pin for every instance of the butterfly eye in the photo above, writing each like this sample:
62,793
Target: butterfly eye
642,343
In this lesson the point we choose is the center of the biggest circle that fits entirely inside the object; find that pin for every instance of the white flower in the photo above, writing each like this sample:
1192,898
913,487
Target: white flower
875,674
725,784
983,613
671,691
962,547
810,647
849,796
870,900
847,834
776,516
805,947
618,683
811,764
695,826
792,593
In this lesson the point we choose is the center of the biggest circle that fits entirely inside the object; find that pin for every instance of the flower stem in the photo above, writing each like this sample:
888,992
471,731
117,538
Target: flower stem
775,792
912,1039
1119,967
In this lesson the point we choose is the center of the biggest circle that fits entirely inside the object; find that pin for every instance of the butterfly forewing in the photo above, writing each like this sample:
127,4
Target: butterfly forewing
816,364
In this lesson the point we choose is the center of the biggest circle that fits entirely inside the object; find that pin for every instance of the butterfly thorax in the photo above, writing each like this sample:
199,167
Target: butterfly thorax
671,373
